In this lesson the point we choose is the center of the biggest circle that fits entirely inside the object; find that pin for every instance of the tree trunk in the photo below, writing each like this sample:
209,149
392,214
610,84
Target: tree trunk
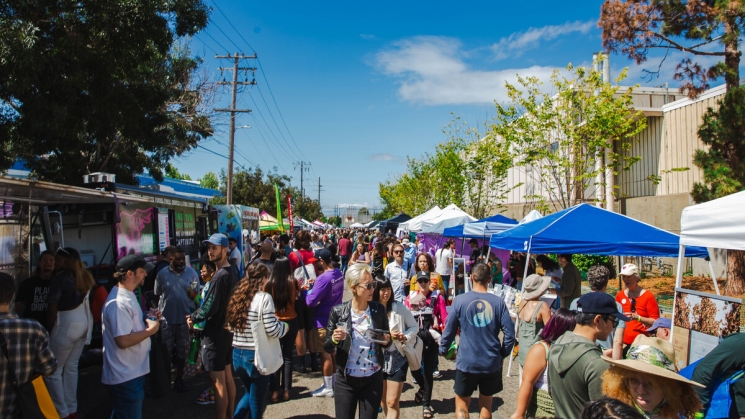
731,50
735,284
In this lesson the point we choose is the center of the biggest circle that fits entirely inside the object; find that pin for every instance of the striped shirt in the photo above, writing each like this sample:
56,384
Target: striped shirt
261,303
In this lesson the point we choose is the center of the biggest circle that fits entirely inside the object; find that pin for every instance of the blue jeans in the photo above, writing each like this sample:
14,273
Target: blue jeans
344,263
251,405
126,399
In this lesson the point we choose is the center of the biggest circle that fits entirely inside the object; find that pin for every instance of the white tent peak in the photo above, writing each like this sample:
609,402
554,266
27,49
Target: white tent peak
719,223
449,217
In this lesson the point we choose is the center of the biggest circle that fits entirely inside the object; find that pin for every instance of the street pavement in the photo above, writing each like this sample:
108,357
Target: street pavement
94,399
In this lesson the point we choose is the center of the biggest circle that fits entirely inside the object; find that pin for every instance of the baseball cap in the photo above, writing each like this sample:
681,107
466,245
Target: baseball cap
422,275
629,269
132,262
405,242
218,239
324,254
599,303
662,322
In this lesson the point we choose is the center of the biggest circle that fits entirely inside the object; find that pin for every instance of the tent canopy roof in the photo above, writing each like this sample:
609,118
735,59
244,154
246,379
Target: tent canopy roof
450,216
415,224
719,223
481,228
586,229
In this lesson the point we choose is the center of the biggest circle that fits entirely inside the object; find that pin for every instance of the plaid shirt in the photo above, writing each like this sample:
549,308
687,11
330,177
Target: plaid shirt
28,350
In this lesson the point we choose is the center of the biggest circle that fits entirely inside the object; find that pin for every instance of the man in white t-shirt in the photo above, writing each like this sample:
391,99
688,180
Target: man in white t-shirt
444,263
126,339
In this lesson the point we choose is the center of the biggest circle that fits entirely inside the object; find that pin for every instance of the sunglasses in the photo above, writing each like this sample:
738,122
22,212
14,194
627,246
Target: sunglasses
422,281
633,305
367,286
395,252
609,317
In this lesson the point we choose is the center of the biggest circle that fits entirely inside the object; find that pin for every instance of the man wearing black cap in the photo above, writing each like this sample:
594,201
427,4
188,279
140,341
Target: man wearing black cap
574,360
326,293
125,339
217,343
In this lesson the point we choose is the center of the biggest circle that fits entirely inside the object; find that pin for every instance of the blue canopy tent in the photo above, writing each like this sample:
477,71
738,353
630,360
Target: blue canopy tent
586,229
480,228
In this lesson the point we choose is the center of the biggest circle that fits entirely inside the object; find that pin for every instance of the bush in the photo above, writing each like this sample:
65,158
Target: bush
585,262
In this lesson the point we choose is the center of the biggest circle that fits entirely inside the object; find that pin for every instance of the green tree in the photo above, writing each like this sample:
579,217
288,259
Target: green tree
564,140
90,86
335,220
210,181
723,164
173,173
635,27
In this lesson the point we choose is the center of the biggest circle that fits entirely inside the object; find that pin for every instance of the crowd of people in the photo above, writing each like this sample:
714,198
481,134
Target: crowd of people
578,356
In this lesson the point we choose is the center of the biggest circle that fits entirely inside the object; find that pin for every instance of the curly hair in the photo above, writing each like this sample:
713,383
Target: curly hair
597,277
237,313
430,262
682,401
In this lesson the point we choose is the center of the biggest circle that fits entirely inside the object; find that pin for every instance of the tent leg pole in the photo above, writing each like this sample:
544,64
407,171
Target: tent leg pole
714,278
517,320
679,273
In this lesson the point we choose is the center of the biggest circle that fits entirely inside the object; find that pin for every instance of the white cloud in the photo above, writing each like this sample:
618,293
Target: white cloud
383,157
517,43
431,71
367,36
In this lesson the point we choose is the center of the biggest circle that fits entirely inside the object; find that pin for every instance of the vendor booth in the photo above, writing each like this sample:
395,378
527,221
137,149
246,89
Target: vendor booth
701,320
415,224
392,223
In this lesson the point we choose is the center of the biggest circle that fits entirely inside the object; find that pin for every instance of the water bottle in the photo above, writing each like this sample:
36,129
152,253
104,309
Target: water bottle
194,350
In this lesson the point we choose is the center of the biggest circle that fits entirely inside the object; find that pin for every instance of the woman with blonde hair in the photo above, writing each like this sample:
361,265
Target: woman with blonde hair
71,322
649,381
247,304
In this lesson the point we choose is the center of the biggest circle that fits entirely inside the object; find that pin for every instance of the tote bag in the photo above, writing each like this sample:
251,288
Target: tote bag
305,272
412,349
268,353
34,401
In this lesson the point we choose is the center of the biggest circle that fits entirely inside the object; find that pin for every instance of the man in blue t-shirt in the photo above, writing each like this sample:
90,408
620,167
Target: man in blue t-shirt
481,316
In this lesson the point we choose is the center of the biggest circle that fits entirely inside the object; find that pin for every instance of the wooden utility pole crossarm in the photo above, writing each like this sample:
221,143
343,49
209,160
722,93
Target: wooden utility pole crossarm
235,83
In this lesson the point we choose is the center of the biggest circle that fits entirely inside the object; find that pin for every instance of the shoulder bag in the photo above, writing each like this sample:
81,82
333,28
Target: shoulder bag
34,401
268,353
304,272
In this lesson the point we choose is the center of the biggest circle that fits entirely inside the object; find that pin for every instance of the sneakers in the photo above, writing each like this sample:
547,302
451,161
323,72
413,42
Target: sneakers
180,386
323,392
436,374
206,397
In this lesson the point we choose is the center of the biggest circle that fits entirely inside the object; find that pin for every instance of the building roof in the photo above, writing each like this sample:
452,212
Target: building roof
181,187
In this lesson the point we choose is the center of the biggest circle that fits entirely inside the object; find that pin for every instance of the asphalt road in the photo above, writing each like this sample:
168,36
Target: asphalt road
94,399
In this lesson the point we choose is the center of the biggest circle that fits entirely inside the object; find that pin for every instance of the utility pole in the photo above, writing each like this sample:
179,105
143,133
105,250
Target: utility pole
304,167
235,83
319,191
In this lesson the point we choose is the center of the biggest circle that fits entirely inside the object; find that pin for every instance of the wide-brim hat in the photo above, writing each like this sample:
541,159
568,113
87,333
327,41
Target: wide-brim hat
534,286
653,356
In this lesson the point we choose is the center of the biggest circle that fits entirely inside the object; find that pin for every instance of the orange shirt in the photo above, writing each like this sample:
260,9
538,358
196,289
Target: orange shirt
646,306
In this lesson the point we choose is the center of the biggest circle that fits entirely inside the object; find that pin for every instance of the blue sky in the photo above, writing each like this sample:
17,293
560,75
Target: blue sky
362,86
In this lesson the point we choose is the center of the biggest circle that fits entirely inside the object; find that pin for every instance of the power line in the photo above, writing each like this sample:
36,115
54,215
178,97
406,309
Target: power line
231,25
258,110
216,41
226,35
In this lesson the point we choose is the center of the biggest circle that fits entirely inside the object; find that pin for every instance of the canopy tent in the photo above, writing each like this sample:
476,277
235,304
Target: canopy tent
393,222
357,225
372,224
532,216
449,217
481,228
719,224
264,216
415,224
273,227
613,234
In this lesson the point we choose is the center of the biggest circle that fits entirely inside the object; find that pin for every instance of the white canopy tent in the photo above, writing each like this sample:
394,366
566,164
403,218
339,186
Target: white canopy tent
357,225
415,224
719,224
532,216
450,216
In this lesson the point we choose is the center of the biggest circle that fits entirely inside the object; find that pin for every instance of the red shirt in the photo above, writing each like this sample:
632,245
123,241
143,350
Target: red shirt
307,255
646,306
345,247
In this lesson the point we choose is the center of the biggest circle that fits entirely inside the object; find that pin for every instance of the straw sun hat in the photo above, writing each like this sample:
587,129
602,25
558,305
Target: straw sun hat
652,356
534,286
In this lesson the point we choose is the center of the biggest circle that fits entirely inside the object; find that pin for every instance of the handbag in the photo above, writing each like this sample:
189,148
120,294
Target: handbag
267,350
412,349
34,401
305,272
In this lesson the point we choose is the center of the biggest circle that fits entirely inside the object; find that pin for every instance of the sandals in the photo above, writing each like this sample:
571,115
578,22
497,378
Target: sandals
419,396
286,396
274,398
428,412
